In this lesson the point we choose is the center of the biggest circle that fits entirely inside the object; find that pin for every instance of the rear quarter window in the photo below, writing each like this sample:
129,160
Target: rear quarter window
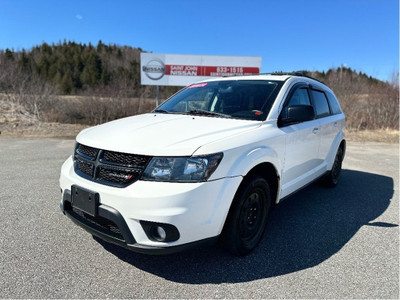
333,102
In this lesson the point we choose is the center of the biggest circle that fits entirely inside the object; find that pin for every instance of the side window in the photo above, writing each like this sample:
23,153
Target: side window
300,97
334,104
321,105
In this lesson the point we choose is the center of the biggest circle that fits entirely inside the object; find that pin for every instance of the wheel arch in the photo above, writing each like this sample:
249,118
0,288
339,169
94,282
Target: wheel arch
268,171
261,161
339,141
265,170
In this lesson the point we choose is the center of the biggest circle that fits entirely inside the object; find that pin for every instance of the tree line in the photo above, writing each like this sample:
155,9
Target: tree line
73,68
108,78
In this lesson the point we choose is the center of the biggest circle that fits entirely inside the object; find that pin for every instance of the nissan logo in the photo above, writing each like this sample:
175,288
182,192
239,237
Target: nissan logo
155,69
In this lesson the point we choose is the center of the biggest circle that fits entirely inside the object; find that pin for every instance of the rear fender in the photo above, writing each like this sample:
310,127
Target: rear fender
334,148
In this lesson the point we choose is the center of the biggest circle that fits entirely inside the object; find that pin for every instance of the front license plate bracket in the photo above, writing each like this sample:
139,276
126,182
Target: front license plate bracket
85,200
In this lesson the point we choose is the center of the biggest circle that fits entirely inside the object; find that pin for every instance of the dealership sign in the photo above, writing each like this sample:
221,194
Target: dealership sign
182,70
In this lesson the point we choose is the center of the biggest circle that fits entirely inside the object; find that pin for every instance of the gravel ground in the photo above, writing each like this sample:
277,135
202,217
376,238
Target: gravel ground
320,243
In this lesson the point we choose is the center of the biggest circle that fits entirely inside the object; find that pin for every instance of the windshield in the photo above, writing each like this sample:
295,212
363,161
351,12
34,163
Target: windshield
240,99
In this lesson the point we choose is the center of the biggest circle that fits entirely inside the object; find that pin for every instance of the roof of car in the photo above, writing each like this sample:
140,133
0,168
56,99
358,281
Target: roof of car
265,76
252,77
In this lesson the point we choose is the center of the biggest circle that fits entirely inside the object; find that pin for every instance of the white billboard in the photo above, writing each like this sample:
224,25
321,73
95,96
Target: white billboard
183,70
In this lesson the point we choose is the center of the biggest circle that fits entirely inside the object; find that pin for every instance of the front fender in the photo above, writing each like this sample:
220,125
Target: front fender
252,158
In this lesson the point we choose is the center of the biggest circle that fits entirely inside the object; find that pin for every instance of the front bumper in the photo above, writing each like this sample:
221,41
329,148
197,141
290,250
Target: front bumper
124,237
197,210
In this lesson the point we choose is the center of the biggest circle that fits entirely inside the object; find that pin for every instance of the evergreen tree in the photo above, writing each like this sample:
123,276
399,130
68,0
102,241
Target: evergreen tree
24,62
67,84
9,54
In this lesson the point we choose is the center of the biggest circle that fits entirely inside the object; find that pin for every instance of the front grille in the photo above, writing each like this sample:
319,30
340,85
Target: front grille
87,151
100,223
124,159
108,167
85,167
122,176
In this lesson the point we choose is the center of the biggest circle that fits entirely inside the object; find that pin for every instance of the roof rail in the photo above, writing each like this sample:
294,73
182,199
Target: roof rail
295,73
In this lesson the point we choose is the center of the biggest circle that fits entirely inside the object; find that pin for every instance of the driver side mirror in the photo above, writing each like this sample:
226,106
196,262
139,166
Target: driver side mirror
296,114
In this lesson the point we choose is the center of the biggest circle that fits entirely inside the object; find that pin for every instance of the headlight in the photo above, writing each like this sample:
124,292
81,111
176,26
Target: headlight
182,169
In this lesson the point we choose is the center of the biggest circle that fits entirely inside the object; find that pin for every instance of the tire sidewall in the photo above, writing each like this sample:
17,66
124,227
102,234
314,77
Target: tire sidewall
234,242
332,178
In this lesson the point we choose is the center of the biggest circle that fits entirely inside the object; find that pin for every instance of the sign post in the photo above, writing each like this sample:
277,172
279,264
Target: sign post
157,95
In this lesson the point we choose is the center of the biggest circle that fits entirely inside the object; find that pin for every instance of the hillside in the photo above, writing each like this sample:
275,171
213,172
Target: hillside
367,102
76,83
69,68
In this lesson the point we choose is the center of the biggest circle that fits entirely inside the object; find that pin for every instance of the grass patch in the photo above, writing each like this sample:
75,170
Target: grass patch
379,135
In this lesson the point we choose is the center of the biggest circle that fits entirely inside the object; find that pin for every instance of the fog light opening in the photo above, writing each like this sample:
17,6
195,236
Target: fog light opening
159,233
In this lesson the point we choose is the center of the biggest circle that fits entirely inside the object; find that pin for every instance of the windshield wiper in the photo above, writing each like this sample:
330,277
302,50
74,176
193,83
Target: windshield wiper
161,111
200,112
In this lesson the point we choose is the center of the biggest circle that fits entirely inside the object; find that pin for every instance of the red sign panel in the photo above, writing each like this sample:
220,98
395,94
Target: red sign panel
213,71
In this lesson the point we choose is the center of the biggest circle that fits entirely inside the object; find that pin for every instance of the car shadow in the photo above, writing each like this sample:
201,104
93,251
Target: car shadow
303,231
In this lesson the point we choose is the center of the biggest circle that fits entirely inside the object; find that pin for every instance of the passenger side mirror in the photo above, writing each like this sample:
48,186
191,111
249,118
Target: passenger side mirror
296,114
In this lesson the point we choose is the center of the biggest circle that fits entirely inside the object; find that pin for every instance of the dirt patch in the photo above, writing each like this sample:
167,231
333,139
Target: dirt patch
40,129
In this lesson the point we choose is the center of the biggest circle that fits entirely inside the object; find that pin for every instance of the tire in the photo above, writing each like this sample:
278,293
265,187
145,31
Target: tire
247,218
332,178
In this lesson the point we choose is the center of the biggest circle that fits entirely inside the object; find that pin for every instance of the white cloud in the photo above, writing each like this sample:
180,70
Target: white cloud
79,17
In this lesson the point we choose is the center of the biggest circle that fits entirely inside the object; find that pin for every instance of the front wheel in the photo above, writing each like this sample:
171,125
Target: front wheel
247,217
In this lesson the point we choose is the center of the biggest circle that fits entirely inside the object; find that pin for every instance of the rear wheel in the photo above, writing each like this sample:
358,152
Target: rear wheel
332,178
247,217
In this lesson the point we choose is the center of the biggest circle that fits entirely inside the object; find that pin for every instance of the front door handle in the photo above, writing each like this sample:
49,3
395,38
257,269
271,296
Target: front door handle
315,130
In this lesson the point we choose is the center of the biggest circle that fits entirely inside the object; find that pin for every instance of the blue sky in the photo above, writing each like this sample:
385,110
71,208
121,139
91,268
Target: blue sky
288,35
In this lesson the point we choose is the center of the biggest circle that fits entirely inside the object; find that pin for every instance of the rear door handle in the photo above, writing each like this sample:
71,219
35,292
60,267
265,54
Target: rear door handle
335,124
315,130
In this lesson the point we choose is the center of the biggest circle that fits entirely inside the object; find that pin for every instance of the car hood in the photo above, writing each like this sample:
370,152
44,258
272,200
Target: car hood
162,134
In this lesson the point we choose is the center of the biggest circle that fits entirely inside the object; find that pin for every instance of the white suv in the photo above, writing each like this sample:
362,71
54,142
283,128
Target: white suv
208,163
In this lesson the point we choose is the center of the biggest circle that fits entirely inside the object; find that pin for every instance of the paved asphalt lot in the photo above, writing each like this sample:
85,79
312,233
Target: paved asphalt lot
320,243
